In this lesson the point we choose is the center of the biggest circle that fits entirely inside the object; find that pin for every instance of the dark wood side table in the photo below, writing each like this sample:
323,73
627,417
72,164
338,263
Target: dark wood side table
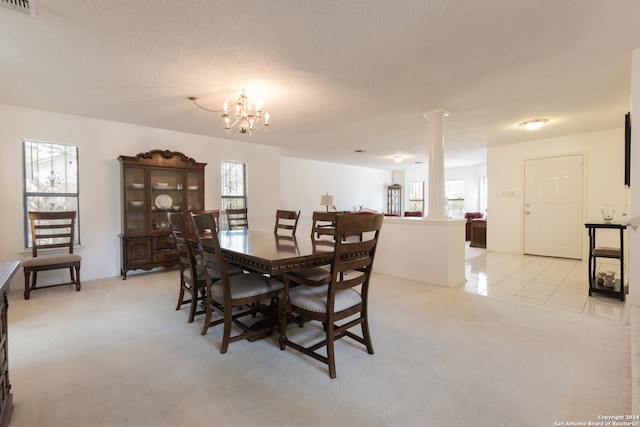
478,233
618,290
7,270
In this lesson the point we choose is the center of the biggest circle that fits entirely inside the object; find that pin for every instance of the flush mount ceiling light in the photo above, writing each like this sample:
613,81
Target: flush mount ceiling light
245,119
398,159
534,124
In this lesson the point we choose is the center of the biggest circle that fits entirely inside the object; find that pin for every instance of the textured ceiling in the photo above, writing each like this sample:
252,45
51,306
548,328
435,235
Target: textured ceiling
335,76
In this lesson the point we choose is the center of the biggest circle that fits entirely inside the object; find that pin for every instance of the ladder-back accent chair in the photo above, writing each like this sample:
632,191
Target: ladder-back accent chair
51,230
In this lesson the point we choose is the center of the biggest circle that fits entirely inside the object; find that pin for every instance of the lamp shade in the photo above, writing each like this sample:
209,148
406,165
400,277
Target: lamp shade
326,200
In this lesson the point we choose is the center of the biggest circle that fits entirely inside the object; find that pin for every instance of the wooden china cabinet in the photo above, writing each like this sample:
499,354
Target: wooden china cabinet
394,199
152,184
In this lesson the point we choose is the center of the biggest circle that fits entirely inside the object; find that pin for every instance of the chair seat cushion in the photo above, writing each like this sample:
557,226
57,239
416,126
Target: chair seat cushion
247,285
51,260
232,269
315,298
315,274
202,273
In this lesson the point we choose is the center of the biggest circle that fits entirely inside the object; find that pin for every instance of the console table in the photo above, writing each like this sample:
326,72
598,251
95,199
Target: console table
618,290
7,270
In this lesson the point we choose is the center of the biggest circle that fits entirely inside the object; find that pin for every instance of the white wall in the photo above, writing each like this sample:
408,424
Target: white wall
302,182
422,250
604,181
99,144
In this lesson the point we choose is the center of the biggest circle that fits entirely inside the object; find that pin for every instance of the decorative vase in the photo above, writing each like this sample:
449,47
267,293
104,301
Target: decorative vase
609,279
608,212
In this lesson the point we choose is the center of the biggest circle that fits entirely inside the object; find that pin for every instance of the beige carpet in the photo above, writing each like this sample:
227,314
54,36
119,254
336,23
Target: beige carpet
118,354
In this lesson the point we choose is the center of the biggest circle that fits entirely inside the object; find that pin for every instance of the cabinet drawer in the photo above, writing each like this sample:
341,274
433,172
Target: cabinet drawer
138,251
165,255
163,242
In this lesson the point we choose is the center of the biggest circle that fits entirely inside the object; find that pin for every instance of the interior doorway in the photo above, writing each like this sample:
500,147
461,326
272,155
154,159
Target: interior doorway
553,205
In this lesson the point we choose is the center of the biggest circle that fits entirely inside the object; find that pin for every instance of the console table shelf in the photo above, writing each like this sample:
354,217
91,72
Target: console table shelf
619,288
7,270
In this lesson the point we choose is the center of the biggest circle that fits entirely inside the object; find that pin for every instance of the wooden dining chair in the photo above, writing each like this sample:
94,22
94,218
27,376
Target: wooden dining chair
286,220
192,273
51,230
323,228
237,219
323,224
338,300
204,226
226,292
214,212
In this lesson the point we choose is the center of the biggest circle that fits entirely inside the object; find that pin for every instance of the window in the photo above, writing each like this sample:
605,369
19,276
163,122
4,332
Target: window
454,192
416,196
234,185
50,181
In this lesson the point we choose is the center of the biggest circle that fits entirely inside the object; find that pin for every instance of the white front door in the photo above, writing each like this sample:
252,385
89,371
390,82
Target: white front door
553,223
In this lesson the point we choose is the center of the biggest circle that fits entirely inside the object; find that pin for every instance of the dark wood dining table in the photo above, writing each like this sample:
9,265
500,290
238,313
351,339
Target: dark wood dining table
270,253
273,254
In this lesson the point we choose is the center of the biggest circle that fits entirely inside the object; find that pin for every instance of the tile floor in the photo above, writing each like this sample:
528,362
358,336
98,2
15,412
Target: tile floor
550,282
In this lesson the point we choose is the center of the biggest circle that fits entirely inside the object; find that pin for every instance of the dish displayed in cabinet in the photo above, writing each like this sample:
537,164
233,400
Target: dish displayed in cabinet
137,185
164,202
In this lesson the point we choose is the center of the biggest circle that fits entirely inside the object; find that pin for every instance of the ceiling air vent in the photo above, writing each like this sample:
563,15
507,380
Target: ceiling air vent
19,5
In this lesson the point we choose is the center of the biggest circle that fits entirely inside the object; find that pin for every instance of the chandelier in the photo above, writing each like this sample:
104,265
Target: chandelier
244,118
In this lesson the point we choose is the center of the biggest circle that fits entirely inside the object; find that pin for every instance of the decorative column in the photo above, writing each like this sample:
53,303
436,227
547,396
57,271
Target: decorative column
435,139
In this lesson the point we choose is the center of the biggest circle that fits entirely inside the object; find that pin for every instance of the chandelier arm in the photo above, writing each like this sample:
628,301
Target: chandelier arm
195,101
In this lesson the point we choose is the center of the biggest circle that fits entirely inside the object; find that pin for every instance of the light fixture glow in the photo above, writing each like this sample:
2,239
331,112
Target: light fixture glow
534,124
398,159
244,118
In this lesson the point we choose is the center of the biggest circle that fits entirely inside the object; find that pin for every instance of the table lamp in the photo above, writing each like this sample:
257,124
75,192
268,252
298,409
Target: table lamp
326,200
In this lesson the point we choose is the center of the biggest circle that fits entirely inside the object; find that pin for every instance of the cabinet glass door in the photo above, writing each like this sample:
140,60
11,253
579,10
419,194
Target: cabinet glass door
135,206
195,191
166,195
393,199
